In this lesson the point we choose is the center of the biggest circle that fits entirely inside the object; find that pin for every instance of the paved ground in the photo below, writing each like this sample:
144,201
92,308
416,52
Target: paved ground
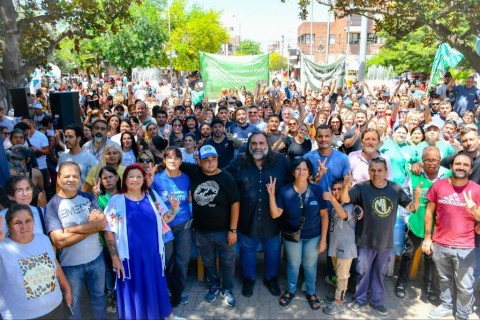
264,306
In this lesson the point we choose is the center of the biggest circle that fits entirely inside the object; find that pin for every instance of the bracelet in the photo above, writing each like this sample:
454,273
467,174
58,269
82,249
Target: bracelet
232,230
175,212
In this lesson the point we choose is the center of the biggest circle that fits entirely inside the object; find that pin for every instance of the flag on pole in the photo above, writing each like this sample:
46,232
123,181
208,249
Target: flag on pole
446,57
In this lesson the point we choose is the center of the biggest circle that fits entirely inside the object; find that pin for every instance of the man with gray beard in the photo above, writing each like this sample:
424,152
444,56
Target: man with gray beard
252,170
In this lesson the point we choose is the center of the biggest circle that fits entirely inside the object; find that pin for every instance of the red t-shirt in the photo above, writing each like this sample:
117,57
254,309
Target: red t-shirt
454,225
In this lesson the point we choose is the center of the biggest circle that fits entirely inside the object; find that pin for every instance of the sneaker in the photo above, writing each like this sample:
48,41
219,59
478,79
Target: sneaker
184,299
331,280
440,312
328,298
247,288
333,308
355,306
212,294
273,287
112,303
380,309
229,298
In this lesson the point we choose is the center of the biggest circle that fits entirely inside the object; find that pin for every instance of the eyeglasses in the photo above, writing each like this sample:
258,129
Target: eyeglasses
23,191
145,160
404,111
431,160
252,112
300,200
435,104
291,124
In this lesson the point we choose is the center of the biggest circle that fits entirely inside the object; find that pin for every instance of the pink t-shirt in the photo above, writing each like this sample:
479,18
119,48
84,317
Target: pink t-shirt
454,225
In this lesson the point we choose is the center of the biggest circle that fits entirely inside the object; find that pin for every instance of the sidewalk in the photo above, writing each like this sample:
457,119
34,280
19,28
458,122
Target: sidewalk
262,305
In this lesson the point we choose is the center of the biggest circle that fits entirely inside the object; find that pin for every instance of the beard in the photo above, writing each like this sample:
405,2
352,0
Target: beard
258,154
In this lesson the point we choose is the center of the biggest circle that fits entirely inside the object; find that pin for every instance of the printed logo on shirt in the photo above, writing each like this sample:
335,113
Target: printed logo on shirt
206,192
38,275
452,200
382,206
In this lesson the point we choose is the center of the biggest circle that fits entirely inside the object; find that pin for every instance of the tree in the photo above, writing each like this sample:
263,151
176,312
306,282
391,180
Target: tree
248,47
141,43
194,31
30,30
454,22
413,53
277,61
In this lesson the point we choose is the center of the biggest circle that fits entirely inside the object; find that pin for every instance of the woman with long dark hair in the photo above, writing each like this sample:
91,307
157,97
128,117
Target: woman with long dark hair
129,148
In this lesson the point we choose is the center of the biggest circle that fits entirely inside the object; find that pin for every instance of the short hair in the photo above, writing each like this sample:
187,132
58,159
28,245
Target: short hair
17,131
445,102
297,161
68,164
100,121
452,122
78,130
461,154
323,127
11,183
466,130
160,111
368,130
14,208
431,148
378,160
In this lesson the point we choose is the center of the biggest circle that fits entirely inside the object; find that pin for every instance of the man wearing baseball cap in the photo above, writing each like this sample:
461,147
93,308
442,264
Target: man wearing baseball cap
216,206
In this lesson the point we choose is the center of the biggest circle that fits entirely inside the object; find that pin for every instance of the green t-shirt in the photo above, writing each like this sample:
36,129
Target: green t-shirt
416,221
401,158
445,149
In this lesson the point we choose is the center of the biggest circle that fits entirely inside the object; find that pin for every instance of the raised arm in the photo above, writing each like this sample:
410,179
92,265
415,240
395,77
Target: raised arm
275,211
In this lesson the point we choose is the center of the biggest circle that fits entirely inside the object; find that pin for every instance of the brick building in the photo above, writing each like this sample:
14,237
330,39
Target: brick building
338,41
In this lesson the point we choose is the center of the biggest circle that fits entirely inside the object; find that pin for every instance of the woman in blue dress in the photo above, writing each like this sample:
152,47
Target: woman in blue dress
137,221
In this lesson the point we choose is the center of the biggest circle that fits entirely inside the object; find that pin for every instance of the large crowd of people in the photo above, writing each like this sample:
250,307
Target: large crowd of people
359,173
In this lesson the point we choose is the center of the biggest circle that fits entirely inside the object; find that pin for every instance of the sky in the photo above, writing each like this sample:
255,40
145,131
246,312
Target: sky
265,21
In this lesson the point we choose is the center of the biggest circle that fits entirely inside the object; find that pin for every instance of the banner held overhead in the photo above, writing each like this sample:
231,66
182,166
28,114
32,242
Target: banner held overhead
316,74
220,72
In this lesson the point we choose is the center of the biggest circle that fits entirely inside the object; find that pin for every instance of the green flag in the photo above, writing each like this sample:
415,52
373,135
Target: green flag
445,58
220,72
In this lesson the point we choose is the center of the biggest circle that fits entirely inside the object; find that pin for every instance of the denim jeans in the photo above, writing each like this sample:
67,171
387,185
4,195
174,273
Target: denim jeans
248,256
213,244
92,274
455,269
302,253
177,262
476,272
371,270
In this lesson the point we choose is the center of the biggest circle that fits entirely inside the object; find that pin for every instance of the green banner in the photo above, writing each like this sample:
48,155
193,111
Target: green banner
446,57
219,72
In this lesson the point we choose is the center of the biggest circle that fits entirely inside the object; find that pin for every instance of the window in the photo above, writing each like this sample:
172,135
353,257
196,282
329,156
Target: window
372,38
331,39
354,38
305,38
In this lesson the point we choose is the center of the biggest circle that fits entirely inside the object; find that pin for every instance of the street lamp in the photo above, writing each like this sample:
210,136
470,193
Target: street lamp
288,62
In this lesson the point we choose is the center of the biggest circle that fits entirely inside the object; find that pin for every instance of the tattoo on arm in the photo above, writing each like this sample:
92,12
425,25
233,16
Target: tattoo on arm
112,248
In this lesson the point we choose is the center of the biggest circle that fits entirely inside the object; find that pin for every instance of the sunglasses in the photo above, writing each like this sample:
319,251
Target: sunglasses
144,160
300,201
291,124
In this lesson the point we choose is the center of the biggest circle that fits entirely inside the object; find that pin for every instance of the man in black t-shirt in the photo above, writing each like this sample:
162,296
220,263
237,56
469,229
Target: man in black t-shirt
379,199
224,143
216,206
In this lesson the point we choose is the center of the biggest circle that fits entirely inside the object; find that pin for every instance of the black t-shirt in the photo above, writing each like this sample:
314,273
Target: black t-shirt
357,145
224,149
294,149
375,230
212,198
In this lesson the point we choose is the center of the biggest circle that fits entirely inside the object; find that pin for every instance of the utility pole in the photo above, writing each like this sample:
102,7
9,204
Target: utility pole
328,39
311,32
170,38
363,47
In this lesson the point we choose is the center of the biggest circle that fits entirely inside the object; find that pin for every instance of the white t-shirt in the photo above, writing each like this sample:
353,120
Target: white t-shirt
39,141
188,157
28,286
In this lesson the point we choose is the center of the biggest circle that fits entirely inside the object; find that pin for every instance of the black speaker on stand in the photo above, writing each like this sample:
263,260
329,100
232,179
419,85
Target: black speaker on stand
65,108
20,102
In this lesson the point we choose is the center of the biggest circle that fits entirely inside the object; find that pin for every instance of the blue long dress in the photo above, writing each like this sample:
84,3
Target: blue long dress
145,295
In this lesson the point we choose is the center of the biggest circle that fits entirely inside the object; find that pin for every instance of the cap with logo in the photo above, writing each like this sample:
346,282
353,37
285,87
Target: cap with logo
207,151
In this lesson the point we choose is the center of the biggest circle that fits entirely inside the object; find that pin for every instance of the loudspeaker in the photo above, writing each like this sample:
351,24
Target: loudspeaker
65,109
20,102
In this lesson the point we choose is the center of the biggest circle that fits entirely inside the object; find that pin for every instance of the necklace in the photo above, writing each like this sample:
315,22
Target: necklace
135,197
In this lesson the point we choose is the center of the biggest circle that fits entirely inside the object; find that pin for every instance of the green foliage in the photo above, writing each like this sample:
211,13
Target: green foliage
194,31
277,61
140,43
248,47
410,53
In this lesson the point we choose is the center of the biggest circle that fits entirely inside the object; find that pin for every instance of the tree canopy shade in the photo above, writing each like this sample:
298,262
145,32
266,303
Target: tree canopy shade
248,47
30,30
454,22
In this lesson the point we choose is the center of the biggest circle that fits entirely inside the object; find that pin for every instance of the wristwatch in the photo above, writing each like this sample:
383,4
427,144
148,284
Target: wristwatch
233,230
